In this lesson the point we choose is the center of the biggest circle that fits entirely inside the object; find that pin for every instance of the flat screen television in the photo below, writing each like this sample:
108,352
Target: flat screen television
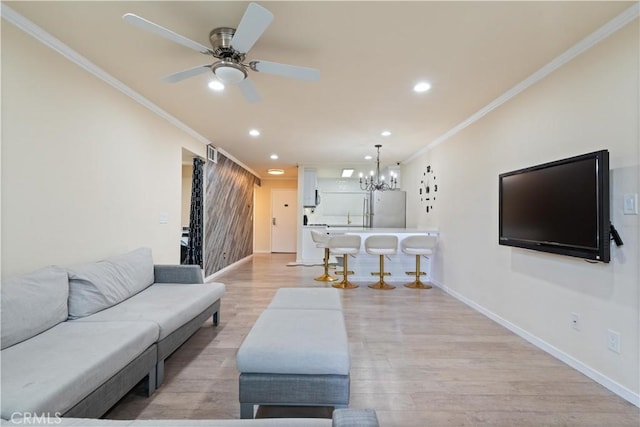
561,207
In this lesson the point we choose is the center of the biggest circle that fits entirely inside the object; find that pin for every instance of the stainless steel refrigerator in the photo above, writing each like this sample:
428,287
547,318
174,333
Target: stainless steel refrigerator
385,209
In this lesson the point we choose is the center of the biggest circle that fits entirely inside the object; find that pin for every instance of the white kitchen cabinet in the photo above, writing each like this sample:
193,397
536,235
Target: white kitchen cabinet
309,199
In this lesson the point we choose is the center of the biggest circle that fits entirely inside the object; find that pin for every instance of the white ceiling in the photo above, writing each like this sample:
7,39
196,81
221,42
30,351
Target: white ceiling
369,55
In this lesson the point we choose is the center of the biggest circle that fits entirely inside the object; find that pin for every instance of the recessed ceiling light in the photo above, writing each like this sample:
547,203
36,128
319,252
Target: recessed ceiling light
422,87
254,132
367,157
274,157
385,133
216,85
347,172
275,172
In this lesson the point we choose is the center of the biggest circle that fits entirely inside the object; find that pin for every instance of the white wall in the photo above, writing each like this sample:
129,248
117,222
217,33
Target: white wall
591,103
86,171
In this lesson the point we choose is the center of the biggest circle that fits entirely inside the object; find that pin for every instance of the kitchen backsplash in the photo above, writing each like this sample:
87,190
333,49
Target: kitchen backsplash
341,203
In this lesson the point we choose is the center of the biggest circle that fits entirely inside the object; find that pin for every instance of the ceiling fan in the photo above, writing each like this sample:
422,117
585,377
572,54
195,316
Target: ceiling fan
230,47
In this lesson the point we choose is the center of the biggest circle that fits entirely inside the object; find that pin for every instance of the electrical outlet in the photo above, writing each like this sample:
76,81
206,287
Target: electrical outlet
630,206
613,341
575,321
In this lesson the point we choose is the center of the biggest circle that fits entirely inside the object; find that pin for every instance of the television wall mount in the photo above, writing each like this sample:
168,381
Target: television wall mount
615,236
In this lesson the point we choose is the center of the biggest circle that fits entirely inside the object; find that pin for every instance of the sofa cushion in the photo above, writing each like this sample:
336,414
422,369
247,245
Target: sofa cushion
55,370
33,303
99,285
177,274
294,341
169,305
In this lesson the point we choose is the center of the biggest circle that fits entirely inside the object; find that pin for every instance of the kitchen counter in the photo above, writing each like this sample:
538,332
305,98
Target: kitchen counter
345,229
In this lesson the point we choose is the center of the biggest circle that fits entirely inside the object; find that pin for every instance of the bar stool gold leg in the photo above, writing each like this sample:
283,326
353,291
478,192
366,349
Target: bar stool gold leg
381,284
345,284
417,284
326,277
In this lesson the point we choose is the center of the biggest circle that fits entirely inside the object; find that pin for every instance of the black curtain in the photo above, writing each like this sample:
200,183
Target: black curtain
194,247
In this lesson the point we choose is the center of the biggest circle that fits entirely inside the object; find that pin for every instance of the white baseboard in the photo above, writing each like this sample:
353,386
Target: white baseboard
227,268
598,377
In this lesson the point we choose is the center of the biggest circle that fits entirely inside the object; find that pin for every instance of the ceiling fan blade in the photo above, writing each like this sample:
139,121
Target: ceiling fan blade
163,32
255,20
284,70
181,75
249,91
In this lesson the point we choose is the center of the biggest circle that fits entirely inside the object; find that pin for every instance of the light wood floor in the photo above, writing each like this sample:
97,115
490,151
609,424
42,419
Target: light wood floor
419,358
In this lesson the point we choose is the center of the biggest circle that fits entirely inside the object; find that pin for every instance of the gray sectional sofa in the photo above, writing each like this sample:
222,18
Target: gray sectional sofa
75,340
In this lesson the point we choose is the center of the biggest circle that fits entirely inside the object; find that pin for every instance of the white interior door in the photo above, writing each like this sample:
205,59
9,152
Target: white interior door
283,220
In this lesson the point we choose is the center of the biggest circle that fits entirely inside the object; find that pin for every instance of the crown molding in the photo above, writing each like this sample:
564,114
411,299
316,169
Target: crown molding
57,45
582,46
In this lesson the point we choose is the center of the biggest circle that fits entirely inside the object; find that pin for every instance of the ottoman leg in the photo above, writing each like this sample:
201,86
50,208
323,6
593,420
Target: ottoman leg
246,411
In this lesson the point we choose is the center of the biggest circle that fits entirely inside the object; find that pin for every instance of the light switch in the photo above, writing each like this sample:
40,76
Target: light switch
164,218
630,204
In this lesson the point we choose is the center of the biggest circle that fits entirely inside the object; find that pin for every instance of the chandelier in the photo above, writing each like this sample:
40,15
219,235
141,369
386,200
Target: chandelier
377,182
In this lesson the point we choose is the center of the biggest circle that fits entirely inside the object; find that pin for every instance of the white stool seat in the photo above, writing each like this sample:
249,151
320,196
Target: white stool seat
419,246
345,245
381,245
320,239
417,251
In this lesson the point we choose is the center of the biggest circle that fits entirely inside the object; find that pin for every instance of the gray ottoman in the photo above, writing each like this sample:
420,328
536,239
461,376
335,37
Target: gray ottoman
307,299
294,357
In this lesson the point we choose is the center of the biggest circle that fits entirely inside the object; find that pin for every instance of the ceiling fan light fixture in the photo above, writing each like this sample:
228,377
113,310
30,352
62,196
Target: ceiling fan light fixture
422,87
229,47
216,85
229,72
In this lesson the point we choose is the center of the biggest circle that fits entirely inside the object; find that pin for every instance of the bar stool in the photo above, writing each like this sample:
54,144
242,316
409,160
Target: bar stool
321,240
345,245
381,245
418,246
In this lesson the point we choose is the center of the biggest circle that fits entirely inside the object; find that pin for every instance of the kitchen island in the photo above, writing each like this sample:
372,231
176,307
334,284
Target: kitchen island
364,264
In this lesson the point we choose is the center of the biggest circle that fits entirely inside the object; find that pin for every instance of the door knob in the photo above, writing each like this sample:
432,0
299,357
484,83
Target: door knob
273,220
